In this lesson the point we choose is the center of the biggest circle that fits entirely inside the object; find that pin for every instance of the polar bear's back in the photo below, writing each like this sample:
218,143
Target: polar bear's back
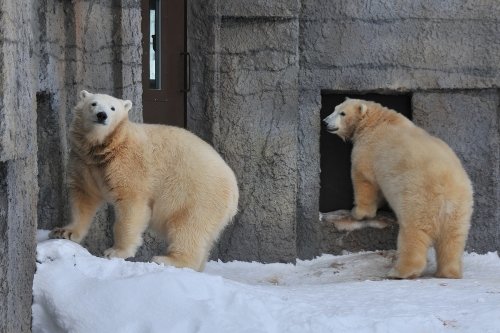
417,169
188,171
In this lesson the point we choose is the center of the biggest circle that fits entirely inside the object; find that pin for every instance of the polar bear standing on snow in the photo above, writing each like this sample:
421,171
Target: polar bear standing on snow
420,177
155,175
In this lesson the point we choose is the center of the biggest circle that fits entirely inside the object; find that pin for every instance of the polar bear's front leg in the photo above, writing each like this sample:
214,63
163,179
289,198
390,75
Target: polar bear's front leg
132,218
83,209
367,197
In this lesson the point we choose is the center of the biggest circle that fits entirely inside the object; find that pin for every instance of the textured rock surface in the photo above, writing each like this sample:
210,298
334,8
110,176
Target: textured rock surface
259,8
469,122
18,167
244,102
17,242
355,45
255,130
386,47
258,71
78,46
257,76
58,48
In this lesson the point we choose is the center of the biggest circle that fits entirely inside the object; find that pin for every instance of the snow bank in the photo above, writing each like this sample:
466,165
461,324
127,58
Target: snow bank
77,292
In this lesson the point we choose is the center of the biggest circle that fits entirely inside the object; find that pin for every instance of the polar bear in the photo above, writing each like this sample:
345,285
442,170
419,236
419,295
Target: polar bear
417,174
154,175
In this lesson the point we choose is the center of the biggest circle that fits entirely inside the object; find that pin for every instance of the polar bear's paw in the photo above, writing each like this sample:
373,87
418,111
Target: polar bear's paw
65,233
180,261
363,213
117,253
405,273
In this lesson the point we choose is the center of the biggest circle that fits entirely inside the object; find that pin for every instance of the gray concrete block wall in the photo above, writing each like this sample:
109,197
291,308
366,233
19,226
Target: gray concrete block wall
309,233
255,128
18,244
15,80
469,122
354,45
18,167
93,45
258,71
388,47
202,42
259,8
236,80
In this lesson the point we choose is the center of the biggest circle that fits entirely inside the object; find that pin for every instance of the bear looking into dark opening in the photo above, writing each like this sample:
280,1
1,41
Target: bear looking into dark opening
336,186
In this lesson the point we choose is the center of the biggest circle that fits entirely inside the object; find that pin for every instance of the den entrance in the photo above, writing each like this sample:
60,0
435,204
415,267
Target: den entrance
336,191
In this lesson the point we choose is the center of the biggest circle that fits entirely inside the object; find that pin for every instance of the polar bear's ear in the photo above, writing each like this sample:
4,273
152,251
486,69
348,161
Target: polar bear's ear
363,108
347,98
84,94
127,105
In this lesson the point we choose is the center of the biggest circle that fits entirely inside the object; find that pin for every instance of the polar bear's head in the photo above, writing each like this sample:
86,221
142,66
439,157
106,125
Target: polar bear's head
344,120
97,115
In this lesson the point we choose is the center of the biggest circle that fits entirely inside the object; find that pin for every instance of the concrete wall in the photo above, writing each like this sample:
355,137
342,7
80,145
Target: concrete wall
258,71
408,46
92,45
469,122
49,50
425,48
244,102
18,167
256,127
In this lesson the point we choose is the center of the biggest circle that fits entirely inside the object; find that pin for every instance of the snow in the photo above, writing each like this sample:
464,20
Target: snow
77,292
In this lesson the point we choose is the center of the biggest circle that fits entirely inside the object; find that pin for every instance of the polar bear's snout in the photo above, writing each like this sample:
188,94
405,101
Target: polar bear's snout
331,124
331,128
101,117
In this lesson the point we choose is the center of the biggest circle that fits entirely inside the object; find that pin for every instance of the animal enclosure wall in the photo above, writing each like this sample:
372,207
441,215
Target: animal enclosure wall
258,71
276,58
257,77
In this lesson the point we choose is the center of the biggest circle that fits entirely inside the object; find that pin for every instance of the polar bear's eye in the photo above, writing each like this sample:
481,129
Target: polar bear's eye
94,104
342,114
113,108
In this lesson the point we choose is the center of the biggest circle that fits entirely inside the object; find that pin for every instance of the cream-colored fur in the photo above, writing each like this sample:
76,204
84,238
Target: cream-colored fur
417,174
155,175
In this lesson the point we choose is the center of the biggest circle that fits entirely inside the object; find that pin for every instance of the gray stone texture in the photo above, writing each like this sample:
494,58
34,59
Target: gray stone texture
258,71
383,46
255,129
259,8
49,51
92,45
202,41
469,122
18,167
358,45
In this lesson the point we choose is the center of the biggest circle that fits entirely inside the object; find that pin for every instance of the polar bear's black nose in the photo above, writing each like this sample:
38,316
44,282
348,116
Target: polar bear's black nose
102,116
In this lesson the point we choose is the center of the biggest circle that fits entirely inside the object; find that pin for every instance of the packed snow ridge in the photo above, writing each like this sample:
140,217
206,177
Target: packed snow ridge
77,292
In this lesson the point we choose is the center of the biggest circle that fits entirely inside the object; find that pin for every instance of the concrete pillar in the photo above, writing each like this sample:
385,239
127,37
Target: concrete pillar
18,168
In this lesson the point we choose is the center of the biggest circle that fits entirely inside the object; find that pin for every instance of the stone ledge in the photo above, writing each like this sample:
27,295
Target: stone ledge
342,220
339,232
259,9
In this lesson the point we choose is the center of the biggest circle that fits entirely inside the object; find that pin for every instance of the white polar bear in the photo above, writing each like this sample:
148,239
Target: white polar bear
420,177
155,175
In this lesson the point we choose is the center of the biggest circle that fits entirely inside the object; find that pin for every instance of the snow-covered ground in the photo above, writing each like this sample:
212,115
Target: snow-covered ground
77,292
